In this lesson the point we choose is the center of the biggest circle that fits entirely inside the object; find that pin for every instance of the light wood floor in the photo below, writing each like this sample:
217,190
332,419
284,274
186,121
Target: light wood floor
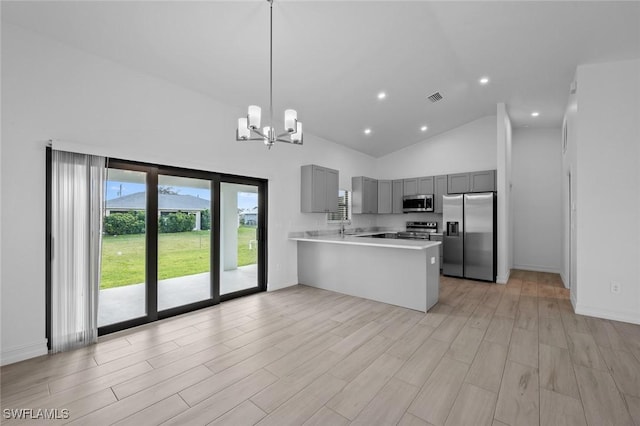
485,355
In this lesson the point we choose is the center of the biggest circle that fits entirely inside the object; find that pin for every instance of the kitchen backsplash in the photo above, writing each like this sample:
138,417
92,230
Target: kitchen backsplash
317,223
399,221
366,223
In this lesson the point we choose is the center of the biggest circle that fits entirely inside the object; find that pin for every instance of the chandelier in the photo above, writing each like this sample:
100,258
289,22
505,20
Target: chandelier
250,125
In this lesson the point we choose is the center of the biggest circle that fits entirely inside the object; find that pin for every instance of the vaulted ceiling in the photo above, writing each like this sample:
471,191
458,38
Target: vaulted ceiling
331,59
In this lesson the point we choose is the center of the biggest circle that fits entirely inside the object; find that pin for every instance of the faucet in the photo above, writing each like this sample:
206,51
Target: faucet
342,228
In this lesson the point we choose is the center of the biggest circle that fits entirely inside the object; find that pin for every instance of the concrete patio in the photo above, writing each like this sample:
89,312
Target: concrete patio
127,302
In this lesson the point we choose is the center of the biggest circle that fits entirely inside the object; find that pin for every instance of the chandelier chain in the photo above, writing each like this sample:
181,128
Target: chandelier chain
250,125
270,63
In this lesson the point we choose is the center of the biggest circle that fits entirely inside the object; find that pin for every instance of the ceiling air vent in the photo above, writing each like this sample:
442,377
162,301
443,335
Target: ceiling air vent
435,97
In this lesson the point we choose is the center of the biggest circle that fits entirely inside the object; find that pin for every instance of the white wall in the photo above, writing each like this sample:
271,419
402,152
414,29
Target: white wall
53,91
505,224
466,148
536,198
607,185
469,147
569,197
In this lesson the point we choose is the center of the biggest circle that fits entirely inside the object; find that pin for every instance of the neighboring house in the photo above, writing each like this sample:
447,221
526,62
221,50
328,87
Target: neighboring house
249,217
167,203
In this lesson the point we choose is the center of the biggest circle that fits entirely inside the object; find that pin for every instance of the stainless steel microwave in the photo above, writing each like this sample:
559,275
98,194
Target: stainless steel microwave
417,203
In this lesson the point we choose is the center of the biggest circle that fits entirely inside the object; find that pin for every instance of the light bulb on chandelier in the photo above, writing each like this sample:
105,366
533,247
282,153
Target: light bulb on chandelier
251,124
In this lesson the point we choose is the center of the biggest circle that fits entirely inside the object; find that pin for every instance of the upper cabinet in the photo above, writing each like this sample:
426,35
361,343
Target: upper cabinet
319,189
418,186
385,197
364,195
440,184
484,181
410,186
458,183
397,192
425,185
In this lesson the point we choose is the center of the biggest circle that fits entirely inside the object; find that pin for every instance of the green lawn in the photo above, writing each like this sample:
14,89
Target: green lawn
179,254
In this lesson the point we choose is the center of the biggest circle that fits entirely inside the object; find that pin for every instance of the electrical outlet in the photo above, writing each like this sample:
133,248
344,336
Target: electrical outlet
615,287
433,260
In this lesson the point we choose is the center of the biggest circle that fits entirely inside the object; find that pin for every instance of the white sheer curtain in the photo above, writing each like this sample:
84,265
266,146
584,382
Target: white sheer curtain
76,224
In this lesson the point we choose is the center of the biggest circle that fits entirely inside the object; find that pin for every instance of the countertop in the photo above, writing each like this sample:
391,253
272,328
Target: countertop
362,240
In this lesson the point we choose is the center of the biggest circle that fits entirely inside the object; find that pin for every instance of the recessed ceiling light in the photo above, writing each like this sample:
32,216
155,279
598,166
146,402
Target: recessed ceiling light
382,95
424,128
367,131
535,114
484,80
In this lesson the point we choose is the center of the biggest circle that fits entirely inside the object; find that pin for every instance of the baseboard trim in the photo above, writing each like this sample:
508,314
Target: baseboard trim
564,280
572,297
274,287
20,353
503,280
624,316
538,268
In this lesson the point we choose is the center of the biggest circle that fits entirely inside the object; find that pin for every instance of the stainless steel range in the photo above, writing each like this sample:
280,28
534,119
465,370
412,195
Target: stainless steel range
418,230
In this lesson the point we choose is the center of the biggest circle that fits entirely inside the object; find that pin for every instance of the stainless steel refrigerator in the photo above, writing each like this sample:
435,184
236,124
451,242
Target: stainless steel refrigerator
469,241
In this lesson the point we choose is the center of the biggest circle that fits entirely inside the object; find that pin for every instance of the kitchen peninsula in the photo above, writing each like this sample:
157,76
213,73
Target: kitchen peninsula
399,272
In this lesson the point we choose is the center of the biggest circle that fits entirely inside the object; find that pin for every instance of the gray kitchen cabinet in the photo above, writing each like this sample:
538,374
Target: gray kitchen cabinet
425,185
385,197
364,195
418,186
483,181
410,186
440,186
397,192
332,182
318,189
371,195
458,183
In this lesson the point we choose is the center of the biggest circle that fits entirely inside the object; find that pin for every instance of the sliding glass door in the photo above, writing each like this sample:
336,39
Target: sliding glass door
184,241
175,240
239,236
123,290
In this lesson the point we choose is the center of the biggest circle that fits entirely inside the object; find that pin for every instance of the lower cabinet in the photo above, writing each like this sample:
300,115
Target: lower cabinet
440,247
